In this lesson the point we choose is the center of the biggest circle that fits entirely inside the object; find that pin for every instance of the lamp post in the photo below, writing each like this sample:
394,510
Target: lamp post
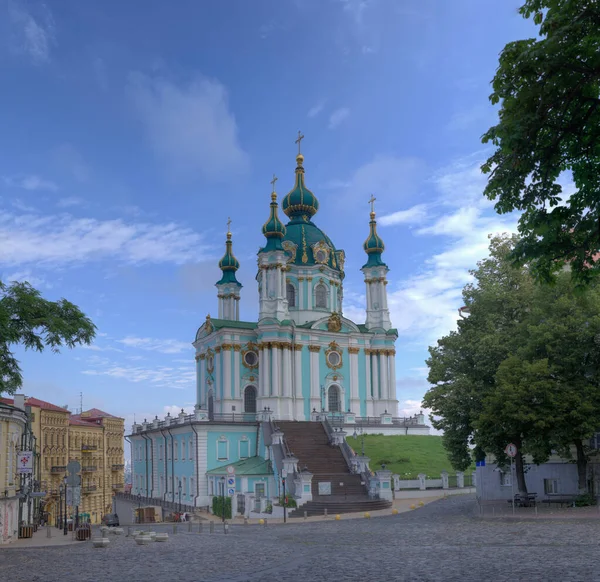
179,498
362,439
60,496
139,515
223,498
65,528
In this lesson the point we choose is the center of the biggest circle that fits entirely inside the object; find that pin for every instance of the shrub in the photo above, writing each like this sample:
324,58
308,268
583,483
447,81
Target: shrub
217,506
585,500
291,502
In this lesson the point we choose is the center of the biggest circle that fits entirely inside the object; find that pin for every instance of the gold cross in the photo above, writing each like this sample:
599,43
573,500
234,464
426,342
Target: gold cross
273,182
228,224
300,138
372,202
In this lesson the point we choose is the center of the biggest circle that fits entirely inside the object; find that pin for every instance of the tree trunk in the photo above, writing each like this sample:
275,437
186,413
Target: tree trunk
581,467
520,472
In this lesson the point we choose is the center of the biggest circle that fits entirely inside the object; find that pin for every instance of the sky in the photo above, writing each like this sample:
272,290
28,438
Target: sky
131,131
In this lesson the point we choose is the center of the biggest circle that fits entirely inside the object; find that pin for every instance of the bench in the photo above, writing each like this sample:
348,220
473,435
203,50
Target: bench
520,500
562,501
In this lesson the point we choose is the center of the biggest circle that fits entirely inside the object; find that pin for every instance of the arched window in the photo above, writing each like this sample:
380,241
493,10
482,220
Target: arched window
250,399
333,399
291,295
321,296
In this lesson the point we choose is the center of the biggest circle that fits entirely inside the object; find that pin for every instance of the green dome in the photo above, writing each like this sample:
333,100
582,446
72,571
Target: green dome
300,201
374,245
274,230
228,264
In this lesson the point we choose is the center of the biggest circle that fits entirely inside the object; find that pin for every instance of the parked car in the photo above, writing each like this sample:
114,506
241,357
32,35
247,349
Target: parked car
110,520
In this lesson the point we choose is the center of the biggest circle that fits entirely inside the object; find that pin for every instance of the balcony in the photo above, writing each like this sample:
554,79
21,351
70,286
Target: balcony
58,469
117,486
89,488
118,467
89,469
88,448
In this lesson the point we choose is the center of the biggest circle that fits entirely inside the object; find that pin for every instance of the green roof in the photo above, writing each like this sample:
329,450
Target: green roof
219,323
273,229
251,466
374,245
300,201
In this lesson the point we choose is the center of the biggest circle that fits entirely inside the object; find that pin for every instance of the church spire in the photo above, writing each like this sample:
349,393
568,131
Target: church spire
300,203
274,230
228,286
373,246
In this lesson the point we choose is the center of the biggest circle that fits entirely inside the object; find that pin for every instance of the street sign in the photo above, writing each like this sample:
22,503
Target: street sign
231,470
73,467
511,450
284,473
25,463
73,480
231,491
73,496
231,481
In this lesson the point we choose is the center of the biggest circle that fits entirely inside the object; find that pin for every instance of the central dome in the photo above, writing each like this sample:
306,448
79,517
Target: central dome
300,201
307,244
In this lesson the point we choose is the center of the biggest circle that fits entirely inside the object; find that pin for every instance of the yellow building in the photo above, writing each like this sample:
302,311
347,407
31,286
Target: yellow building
93,438
12,426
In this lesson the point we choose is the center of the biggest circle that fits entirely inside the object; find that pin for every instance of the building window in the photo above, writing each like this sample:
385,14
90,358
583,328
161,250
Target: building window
192,490
321,296
250,399
175,450
191,448
291,295
160,452
505,479
183,449
222,449
550,486
244,448
184,487
333,397
251,358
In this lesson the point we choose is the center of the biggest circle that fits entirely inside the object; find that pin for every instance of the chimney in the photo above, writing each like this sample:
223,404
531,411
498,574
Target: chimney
19,401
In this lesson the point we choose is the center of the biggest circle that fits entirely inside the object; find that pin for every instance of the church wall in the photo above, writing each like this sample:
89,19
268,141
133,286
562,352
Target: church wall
362,382
306,382
230,445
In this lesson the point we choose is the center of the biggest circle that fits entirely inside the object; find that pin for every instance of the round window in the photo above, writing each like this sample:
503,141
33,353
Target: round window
334,358
251,358
321,256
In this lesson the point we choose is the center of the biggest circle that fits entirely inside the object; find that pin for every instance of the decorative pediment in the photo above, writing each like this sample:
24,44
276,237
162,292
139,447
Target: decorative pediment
347,326
290,249
205,329
321,252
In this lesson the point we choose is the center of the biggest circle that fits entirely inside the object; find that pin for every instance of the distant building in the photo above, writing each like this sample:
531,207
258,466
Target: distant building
93,438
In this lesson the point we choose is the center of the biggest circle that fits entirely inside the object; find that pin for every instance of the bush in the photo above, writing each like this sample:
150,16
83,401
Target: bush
291,502
217,506
585,500
269,508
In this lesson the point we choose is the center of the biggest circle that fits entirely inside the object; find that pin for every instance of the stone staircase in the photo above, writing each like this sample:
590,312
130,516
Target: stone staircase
309,442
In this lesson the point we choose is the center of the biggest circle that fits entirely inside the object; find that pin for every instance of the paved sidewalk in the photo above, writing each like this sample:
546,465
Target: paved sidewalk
40,539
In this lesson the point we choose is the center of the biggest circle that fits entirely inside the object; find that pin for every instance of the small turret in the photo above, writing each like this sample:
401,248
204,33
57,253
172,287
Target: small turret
228,286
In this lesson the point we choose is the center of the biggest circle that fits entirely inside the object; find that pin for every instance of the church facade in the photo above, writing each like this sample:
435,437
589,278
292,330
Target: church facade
302,355
302,360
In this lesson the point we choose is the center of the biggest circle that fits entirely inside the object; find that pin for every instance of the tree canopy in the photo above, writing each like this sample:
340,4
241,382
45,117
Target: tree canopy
549,123
26,318
523,367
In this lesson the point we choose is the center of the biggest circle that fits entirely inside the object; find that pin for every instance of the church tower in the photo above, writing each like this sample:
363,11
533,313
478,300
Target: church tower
228,287
375,272
272,264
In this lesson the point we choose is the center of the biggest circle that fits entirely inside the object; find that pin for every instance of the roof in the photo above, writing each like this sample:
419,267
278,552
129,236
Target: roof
79,422
37,403
89,417
251,466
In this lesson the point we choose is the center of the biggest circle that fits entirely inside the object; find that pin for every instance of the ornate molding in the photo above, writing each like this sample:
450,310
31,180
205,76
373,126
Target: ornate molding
237,347
334,348
226,347
297,347
334,323
201,356
353,350
314,349
217,349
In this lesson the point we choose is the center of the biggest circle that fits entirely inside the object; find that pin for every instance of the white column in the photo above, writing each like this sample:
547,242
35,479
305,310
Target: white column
300,293
276,376
354,379
314,375
220,307
218,381
369,299
309,298
298,373
261,372
392,380
287,372
368,373
376,383
385,387
236,374
263,283
267,371
237,308
226,374
199,383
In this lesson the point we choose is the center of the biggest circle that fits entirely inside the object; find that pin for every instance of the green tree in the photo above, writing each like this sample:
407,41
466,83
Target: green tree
524,367
26,318
549,123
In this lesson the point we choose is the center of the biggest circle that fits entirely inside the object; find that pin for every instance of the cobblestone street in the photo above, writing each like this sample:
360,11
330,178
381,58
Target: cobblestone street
441,541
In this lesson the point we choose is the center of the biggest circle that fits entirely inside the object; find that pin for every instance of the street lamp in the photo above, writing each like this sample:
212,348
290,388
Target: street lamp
362,438
179,498
65,528
223,494
60,496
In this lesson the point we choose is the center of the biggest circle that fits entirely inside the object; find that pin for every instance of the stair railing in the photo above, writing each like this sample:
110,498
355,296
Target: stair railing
345,448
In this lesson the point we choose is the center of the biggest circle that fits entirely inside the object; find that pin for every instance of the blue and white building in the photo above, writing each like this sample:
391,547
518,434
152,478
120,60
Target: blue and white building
301,360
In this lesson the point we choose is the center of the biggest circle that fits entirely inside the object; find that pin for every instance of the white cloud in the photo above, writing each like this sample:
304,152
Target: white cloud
316,109
338,116
190,126
65,240
165,346
415,214
160,376
31,36
69,201
30,183
25,276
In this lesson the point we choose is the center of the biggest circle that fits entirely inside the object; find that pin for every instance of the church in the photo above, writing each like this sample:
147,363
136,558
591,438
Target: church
302,360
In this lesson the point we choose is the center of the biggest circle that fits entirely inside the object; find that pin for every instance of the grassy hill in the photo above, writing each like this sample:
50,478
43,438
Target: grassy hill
406,455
